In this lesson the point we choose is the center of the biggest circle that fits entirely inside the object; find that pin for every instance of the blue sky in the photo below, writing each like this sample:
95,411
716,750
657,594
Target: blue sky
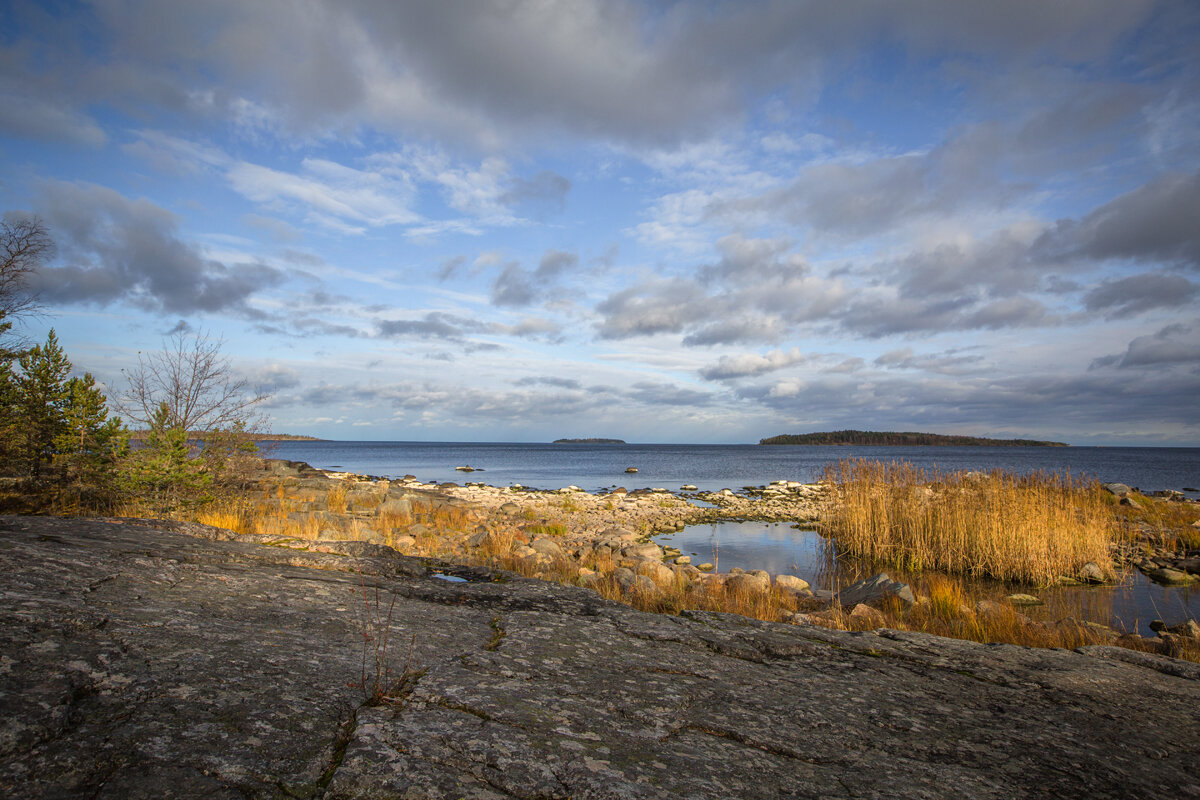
663,222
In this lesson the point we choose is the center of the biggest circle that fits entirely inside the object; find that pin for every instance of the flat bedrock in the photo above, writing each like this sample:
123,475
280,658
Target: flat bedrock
183,661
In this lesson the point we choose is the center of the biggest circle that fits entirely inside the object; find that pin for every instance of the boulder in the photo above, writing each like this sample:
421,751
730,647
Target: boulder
547,547
1091,573
403,543
656,571
1169,576
863,616
748,582
642,550
1118,489
624,577
791,583
683,561
875,589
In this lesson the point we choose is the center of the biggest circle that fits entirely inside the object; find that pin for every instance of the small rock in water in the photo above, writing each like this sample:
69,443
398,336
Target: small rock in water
1091,573
705,567
1169,576
683,560
687,487
1024,600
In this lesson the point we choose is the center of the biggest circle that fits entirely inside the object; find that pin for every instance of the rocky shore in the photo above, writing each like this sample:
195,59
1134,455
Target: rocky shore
603,540
182,661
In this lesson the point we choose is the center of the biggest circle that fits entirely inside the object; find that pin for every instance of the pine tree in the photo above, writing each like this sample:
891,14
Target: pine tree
162,471
42,394
87,443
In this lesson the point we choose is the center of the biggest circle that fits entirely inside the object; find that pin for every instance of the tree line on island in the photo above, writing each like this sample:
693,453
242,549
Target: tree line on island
901,439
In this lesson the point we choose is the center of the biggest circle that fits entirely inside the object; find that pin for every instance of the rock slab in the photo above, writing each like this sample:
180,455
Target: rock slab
185,661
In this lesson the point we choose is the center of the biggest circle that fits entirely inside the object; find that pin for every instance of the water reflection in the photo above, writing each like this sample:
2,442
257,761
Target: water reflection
777,547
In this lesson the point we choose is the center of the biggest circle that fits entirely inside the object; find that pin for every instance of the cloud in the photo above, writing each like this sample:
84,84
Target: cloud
330,194
517,286
118,250
948,363
1173,345
607,70
544,191
659,306
1127,297
1154,223
750,364
541,380
434,325
655,393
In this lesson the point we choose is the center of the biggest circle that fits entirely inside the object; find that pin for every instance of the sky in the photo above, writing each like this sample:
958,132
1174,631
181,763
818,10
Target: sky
704,222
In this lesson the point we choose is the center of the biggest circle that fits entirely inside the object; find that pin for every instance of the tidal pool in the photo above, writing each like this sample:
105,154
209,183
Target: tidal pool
1129,605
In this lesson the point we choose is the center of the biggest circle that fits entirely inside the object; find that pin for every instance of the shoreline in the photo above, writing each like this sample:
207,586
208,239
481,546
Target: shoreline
588,538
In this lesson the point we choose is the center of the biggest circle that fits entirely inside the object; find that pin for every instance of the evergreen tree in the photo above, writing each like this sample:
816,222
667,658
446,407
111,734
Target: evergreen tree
42,395
88,440
162,470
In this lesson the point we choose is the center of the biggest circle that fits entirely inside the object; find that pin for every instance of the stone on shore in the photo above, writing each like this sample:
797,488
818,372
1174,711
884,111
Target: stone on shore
874,590
791,583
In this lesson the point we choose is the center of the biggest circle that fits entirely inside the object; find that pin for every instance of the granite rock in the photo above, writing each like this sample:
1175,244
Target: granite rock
141,661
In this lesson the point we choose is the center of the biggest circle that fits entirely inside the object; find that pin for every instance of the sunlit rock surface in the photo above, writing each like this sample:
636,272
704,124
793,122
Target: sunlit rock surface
183,661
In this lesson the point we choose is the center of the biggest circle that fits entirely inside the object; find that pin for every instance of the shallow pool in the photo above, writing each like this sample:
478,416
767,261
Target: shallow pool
778,548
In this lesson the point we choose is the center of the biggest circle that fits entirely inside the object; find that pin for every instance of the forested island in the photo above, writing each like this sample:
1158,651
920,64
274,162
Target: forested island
250,437
588,441
901,438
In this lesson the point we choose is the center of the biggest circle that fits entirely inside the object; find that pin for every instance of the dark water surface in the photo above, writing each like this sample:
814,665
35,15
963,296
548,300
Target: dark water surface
712,467
777,547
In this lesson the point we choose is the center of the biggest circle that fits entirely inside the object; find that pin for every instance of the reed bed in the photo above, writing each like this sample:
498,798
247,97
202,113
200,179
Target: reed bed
1028,528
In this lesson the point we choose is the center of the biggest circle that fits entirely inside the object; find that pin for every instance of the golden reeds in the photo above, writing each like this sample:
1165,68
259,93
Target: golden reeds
1031,528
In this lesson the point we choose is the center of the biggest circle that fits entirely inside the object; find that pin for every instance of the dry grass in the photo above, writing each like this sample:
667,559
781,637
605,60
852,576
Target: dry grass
1170,522
945,609
1030,528
335,499
547,529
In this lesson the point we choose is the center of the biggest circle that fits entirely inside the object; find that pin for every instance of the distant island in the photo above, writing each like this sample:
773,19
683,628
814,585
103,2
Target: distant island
252,437
905,438
588,441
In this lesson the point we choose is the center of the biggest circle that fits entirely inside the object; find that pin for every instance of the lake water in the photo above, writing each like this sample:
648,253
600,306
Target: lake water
778,547
714,467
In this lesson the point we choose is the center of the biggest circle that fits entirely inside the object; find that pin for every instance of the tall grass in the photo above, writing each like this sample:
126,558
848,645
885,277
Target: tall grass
1029,528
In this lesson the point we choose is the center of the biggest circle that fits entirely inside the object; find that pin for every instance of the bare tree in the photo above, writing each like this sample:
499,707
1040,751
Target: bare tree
24,245
197,384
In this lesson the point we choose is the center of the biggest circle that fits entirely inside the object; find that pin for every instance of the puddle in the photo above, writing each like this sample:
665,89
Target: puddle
778,548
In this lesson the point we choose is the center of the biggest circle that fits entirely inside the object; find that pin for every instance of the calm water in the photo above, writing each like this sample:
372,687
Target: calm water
779,548
712,467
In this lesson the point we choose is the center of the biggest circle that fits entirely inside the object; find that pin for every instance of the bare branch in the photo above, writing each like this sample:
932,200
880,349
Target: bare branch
202,392
24,245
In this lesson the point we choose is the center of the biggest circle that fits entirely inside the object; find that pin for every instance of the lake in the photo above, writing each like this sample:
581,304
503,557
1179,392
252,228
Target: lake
714,467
